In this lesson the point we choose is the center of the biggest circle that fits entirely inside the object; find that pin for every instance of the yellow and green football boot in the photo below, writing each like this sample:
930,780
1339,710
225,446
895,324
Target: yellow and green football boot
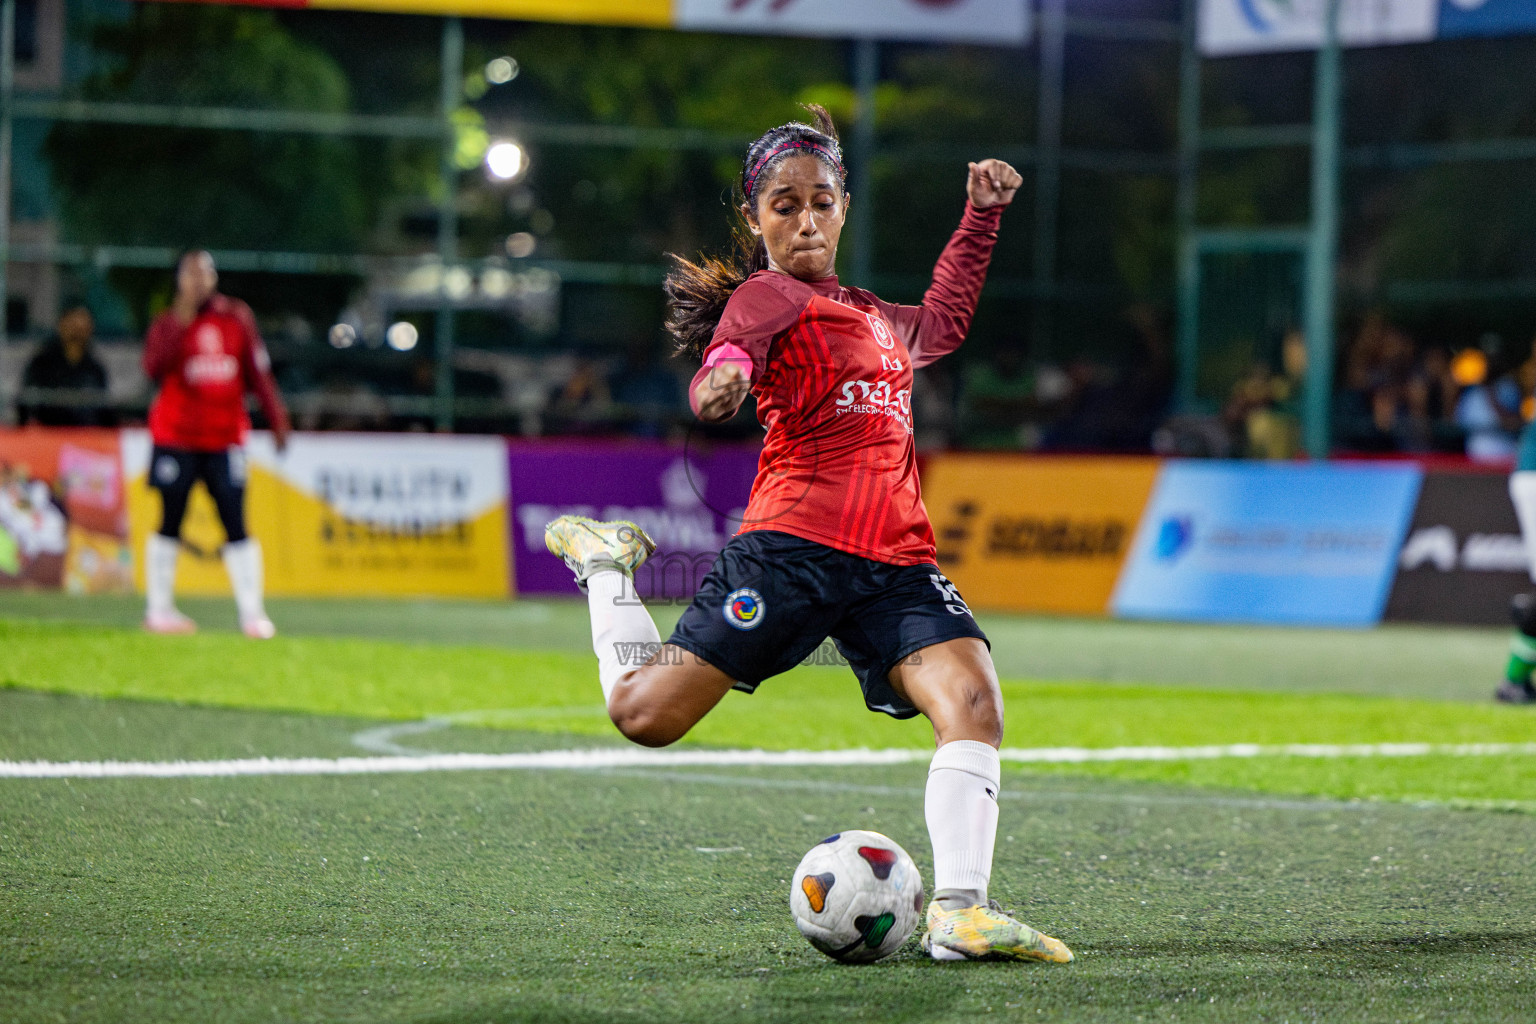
588,546
981,932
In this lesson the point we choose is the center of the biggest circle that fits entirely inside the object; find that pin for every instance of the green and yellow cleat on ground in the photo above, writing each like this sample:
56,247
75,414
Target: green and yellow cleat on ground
588,546
986,933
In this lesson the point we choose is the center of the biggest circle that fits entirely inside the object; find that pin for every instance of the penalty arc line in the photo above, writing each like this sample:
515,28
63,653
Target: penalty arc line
624,757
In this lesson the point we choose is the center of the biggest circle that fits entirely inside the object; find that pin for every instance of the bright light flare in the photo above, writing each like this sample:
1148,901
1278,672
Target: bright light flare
401,336
505,160
501,70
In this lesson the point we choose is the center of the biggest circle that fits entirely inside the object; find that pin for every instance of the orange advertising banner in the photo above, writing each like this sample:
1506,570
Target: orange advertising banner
62,518
1036,534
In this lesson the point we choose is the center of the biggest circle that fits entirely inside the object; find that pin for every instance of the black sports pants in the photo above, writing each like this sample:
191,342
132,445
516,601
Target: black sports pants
173,471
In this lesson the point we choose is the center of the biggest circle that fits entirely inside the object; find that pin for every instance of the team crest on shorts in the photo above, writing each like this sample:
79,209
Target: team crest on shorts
745,608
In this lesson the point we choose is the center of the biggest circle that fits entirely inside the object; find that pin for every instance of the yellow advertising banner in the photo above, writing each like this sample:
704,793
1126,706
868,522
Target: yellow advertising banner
1038,534
349,515
652,13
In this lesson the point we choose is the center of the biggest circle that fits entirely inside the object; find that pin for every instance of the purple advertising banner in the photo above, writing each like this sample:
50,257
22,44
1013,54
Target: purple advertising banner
689,498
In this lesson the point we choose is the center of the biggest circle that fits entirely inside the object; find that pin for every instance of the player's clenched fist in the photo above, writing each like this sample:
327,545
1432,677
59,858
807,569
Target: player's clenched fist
721,393
992,183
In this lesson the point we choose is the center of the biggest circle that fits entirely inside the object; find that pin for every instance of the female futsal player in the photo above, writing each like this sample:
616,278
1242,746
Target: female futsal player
205,354
835,540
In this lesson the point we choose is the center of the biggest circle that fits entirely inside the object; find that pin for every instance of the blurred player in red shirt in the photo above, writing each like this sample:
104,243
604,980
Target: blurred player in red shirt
205,354
835,541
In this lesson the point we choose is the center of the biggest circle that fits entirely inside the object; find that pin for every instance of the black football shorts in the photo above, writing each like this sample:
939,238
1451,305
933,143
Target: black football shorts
771,599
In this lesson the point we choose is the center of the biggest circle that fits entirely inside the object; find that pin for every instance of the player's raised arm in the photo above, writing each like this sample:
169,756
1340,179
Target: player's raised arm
940,324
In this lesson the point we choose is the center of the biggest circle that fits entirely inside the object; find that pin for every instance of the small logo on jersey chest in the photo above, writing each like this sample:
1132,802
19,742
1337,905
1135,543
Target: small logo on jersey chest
211,364
881,330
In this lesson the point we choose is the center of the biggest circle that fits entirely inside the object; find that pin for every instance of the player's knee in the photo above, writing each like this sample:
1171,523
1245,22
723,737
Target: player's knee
641,721
984,712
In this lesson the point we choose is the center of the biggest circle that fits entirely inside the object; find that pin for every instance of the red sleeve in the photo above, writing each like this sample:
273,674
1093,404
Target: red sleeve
765,305
256,365
162,346
939,325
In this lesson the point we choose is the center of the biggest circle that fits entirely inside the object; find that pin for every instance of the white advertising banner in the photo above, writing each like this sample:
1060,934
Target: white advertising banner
350,514
997,22
1255,26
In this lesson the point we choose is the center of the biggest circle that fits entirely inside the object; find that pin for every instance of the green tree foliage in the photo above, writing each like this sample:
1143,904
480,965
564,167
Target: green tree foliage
624,203
128,184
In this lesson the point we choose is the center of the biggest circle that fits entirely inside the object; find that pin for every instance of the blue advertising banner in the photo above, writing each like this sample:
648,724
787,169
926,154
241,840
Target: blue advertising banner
1284,544
1486,17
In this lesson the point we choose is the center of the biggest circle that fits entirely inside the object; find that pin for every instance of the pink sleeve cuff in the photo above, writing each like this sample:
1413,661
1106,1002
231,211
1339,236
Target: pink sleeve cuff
733,354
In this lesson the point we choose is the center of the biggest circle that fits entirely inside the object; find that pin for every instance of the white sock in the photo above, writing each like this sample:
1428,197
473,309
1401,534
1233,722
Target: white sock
961,806
242,561
623,635
160,553
1522,491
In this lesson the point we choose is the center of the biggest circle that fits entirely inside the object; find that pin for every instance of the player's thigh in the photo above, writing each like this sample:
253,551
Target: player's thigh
224,474
915,647
954,684
172,472
661,700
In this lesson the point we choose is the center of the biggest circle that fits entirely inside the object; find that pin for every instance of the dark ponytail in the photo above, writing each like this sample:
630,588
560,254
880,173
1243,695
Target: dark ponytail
697,292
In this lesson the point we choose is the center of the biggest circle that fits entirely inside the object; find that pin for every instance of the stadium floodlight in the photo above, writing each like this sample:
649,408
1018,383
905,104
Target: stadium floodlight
521,244
402,336
501,70
458,283
343,336
505,160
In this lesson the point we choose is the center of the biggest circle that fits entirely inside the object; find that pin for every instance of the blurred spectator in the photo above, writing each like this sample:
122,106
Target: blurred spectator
933,406
999,402
649,395
1260,415
1382,404
1489,411
1119,411
583,404
66,362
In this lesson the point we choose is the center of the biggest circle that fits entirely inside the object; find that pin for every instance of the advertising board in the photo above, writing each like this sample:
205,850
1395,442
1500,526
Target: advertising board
350,514
1269,543
62,518
1036,534
689,498
992,22
1256,26
1486,17
995,22
1463,558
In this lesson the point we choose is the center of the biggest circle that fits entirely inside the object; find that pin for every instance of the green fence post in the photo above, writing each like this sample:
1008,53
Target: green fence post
452,91
7,95
1323,238
866,74
1186,210
1053,41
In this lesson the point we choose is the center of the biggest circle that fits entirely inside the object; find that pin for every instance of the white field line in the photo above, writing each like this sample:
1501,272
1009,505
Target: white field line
627,757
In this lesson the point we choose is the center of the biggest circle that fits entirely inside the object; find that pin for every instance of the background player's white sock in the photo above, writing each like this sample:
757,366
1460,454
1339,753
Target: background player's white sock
160,553
620,627
242,561
961,806
1522,491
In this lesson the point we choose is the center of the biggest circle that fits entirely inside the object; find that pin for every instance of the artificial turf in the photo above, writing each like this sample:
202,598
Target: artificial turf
1262,889
662,896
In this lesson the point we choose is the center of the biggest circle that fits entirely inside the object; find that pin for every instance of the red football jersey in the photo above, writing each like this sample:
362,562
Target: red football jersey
204,369
832,375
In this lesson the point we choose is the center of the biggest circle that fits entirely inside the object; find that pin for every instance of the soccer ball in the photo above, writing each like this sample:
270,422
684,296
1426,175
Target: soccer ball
856,896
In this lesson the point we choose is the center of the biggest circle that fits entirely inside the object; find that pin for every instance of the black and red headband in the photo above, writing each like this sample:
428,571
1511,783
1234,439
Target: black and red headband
817,148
